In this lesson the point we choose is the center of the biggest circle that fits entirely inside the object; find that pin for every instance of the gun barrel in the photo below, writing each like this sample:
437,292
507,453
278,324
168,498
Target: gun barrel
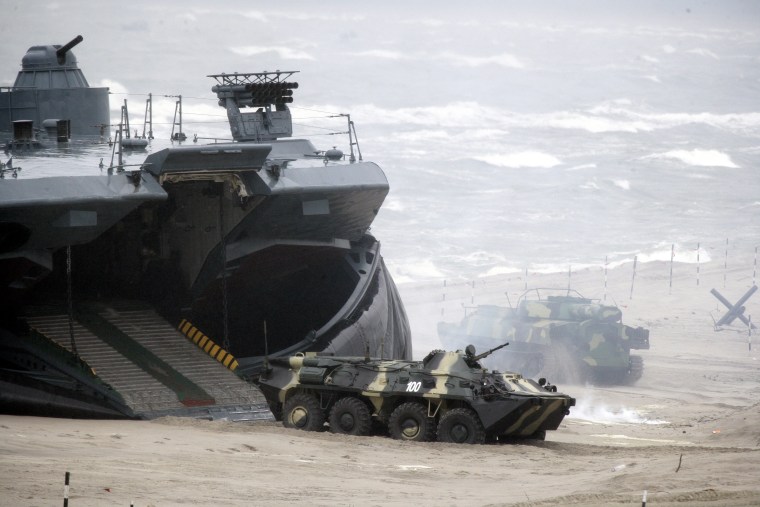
61,52
489,352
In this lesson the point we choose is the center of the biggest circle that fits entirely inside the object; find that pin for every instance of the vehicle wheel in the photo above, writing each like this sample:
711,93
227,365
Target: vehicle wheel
350,416
635,368
302,411
461,426
410,422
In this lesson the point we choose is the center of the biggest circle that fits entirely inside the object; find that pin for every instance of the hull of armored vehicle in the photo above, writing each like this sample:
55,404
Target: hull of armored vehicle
566,338
447,396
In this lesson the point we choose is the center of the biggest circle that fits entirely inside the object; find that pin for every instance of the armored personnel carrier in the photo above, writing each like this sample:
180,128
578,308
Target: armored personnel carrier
448,394
566,337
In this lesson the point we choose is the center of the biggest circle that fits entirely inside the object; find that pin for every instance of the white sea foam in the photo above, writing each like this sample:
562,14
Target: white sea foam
624,184
653,78
480,258
503,60
680,253
393,205
703,52
500,270
382,53
521,159
414,270
283,52
590,185
608,116
582,166
704,158
668,49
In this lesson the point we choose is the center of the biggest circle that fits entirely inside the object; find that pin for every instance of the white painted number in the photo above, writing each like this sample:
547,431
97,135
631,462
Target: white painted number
413,387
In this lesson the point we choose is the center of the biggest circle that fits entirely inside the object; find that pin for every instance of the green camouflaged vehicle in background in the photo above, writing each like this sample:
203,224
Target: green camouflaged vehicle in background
447,396
567,337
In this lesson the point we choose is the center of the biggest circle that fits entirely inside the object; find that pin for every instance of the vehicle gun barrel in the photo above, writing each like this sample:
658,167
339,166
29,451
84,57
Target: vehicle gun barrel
489,352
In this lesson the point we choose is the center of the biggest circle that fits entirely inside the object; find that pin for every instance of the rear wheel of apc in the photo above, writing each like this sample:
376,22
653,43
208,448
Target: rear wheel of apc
461,426
302,411
350,416
410,422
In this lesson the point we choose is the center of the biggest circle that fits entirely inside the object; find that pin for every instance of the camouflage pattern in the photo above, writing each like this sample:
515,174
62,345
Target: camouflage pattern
566,337
448,395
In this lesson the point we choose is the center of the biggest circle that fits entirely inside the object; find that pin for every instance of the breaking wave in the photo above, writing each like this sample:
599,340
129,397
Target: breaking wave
703,158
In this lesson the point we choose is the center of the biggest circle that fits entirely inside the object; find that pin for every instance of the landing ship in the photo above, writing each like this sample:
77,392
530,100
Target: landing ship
157,287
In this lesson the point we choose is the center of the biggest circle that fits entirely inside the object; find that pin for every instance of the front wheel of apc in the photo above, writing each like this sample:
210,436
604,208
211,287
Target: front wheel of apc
461,426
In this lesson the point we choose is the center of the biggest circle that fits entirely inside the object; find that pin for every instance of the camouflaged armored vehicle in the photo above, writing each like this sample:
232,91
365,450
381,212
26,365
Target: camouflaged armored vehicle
448,395
567,337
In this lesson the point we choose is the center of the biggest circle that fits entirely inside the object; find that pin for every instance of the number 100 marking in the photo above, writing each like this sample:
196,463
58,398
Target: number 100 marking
413,387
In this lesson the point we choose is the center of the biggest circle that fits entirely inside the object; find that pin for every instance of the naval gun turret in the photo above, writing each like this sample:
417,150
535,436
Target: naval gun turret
51,92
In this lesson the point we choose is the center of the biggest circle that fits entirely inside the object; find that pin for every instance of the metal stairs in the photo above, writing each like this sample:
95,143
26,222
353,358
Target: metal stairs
146,395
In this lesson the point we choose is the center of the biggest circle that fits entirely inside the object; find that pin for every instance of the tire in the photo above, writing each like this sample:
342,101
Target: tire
350,416
409,421
302,411
635,368
461,426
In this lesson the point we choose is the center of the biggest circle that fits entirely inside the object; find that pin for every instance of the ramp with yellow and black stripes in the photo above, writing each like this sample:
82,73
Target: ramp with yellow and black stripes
154,368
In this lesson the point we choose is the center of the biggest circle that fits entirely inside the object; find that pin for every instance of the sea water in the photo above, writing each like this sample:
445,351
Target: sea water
515,135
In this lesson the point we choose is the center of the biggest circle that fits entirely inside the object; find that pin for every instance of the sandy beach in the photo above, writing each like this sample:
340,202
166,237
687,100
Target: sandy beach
687,433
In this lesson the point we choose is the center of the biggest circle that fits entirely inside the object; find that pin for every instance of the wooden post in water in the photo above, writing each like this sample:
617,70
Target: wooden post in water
443,297
725,265
635,259
672,256
697,264
749,336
